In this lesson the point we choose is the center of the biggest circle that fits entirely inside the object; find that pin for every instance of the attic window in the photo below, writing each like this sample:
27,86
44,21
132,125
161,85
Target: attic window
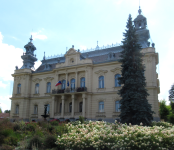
71,60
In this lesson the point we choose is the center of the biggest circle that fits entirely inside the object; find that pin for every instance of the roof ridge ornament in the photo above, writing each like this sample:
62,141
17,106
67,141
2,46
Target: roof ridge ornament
31,39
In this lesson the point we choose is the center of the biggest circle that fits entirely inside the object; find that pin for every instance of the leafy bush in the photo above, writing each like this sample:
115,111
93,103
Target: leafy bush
36,140
81,119
16,127
50,129
164,124
49,141
10,140
6,147
30,127
171,118
164,111
100,135
54,123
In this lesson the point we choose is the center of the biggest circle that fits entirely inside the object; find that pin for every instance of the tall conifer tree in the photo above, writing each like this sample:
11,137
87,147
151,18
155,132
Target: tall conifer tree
134,104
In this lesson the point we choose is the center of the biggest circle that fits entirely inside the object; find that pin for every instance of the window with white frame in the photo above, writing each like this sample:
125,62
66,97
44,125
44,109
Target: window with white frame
17,109
117,106
101,82
35,109
37,88
80,106
82,82
101,106
72,83
116,80
63,84
19,89
48,87
70,107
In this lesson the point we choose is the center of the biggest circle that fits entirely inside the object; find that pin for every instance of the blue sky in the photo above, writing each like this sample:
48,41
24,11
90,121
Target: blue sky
57,24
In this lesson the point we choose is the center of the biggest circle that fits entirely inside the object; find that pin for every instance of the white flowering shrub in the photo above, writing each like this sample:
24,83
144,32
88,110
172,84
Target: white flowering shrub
100,135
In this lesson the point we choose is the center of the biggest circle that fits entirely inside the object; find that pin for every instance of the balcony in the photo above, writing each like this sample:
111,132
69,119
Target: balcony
15,115
34,115
78,89
100,114
67,114
59,91
57,114
115,114
78,113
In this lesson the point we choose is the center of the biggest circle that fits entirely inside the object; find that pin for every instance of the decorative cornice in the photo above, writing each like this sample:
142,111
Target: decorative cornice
48,79
18,78
37,80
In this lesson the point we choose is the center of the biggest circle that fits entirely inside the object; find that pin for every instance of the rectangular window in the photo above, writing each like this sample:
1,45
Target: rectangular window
17,109
60,110
35,109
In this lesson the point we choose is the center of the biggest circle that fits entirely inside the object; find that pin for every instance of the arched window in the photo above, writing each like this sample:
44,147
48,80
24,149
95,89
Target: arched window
117,106
35,109
17,109
19,89
60,110
101,82
80,106
63,84
48,87
116,80
70,107
101,106
72,83
82,82
37,88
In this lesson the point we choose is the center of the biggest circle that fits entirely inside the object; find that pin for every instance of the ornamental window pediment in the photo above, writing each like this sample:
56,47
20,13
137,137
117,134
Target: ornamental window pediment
48,79
37,80
116,70
101,72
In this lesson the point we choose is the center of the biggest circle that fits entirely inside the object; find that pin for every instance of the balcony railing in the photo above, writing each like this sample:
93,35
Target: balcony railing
58,91
69,90
78,113
15,115
34,115
100,114
57,114
67,114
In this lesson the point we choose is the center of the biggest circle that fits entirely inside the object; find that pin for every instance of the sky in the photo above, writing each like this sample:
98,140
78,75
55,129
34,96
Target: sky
57,25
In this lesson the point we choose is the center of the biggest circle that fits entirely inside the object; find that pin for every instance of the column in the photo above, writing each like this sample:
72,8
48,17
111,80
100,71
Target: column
66,80
86,79
76,80
72,113
83,109
62,113
52,108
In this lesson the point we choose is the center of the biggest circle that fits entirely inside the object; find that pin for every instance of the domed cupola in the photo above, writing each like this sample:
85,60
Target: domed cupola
140,23
29,57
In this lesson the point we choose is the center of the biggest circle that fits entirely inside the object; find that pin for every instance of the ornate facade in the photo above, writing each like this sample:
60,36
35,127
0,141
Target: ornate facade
92,78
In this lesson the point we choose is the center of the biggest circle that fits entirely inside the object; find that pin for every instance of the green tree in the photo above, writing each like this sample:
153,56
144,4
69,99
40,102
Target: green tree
171,93
0,110
134,104
7,111
164,110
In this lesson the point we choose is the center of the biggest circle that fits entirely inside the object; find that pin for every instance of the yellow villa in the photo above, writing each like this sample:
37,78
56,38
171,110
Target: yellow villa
89,82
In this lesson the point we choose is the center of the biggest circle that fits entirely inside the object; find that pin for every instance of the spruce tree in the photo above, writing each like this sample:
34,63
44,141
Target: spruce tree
134,104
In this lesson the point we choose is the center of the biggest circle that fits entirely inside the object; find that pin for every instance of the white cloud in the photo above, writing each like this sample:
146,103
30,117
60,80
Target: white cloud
3,85
166,71
9,58
5,102
39,35
37,64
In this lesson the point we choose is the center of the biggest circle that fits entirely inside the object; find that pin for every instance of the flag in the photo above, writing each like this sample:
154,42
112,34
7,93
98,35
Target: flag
68,83
58,83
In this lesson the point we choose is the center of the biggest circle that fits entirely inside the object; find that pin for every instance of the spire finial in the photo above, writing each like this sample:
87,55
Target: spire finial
44,56
31,39
97,43
139,11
